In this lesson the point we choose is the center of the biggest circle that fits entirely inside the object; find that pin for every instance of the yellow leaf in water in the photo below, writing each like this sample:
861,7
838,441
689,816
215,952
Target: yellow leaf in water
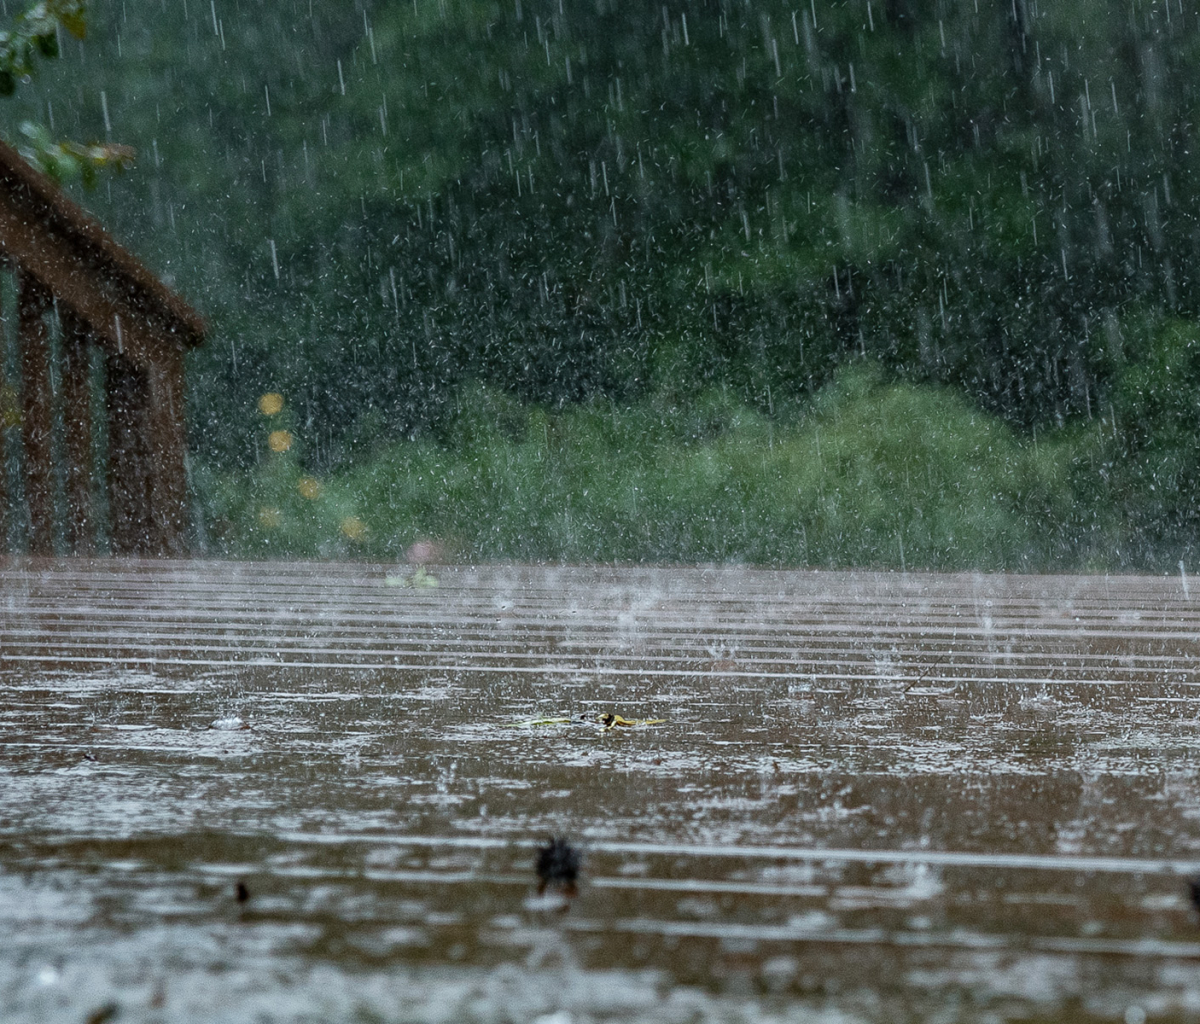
611,721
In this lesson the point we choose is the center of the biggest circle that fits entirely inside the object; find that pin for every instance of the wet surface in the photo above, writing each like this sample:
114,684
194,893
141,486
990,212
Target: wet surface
872,797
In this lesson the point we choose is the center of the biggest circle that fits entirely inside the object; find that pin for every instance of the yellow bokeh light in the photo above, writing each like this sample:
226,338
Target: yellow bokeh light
309,487
280,440
354,528
269,517
271,404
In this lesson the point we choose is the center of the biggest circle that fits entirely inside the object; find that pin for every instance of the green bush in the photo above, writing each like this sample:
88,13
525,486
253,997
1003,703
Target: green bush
869,474
1154,470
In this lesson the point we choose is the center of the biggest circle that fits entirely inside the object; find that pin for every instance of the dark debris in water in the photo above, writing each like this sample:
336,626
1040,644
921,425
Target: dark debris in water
611,721
103,1014
557,867
606,720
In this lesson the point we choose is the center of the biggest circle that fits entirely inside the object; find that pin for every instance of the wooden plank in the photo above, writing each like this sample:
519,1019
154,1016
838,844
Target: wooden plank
9,415
36,411
166,445
919,634
986,782
3,464
131,526
77,427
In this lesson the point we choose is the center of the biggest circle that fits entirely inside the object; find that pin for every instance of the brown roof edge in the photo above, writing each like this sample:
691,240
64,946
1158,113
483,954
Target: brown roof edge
48,204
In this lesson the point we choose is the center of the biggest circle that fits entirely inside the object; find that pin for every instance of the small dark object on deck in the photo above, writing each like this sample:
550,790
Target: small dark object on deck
558,867
241,892
1194,890
103,1014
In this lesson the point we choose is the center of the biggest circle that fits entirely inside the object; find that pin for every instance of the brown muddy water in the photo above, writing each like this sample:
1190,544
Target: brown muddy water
871,797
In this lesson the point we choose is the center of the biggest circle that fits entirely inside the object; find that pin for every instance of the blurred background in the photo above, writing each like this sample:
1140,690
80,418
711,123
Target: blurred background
882,283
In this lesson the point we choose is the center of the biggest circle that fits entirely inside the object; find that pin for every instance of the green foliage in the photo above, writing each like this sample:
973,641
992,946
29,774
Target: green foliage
466,238
1155,467
279,511
872,474
611,200
34,37
64,160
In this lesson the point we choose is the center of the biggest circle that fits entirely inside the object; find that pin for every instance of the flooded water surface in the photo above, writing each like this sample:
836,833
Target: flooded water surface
316,793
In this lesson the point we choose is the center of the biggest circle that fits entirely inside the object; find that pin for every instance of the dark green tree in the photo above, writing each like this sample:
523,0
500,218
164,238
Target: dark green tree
380,202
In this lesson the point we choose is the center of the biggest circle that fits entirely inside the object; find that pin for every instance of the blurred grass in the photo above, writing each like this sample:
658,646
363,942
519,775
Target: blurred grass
869,474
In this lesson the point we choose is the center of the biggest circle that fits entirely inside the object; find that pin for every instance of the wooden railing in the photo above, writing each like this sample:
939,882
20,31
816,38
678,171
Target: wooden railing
68,269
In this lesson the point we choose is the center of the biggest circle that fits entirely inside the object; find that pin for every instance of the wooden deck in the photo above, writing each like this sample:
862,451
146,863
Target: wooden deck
871,797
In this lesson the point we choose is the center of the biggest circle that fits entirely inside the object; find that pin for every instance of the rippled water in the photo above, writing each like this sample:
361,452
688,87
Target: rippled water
873,798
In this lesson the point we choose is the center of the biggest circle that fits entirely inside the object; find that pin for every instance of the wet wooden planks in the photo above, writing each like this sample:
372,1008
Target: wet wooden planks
879,793
889,628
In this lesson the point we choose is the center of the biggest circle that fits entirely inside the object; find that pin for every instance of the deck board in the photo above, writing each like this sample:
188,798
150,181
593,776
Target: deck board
873,795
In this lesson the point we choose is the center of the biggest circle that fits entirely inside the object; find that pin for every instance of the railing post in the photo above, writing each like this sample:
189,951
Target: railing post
77,428
129,504
8,417
166,445
36,414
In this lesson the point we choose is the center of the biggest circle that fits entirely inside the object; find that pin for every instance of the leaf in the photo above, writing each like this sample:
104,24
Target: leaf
419,578
103,154
75,23
611,721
